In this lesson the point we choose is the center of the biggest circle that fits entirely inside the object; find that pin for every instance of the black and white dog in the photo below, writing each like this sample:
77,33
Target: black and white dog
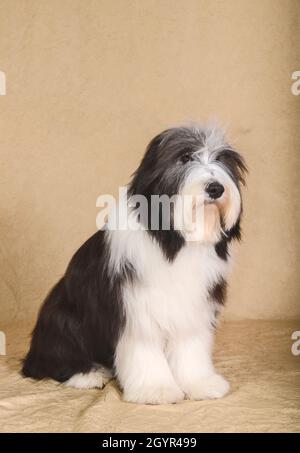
140,304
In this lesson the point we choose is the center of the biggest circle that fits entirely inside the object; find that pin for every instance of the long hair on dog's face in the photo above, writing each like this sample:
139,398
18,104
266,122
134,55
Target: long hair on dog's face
198,162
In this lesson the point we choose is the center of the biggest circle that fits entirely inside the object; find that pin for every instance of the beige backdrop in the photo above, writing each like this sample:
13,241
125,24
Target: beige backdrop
88,84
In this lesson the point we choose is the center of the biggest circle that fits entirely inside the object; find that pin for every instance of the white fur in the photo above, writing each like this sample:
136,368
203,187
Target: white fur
93,379
164,352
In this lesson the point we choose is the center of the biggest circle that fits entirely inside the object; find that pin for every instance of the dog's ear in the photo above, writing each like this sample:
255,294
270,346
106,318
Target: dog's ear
147,172
235,163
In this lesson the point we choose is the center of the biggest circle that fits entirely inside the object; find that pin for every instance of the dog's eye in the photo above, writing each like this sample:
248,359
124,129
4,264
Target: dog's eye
185,158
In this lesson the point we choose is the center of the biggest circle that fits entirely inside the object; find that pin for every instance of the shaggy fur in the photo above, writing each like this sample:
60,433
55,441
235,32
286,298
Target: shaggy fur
141,304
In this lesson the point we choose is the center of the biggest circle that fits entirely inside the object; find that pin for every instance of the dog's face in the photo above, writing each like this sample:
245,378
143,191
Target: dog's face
198,163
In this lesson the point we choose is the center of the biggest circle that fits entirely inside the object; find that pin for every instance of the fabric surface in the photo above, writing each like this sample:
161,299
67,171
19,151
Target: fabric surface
255,356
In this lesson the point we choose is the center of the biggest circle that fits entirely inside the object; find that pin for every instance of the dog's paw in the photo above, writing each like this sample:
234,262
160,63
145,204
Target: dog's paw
155,395
211,387
94,379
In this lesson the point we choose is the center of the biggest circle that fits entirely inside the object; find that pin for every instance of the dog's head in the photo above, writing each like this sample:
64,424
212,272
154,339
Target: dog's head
195,162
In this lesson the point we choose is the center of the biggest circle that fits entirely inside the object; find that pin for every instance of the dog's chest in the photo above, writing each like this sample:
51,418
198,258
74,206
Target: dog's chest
174,295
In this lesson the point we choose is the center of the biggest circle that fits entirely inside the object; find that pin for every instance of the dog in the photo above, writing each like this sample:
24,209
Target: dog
141,304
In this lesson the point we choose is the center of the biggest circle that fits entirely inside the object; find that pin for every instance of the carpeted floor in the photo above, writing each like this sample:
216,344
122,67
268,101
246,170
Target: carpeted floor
255,356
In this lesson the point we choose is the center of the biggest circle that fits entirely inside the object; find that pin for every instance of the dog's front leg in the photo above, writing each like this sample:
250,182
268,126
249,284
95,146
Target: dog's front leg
143,372
189,357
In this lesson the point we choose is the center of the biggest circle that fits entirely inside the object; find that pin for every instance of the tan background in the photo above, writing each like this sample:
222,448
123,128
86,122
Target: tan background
90,82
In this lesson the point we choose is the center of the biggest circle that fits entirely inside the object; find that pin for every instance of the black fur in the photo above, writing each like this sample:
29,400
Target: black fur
234,233
81,319
234,164
218,292
221,248
163,152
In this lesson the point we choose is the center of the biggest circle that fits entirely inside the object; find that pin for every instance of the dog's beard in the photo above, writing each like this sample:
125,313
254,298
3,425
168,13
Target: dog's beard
212,223
204,220
206,223
198,220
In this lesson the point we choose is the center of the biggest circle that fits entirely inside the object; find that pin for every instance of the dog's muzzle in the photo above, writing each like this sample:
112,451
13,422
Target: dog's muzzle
214,190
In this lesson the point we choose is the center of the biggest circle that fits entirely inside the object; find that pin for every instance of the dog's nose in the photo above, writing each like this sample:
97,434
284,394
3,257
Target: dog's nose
214,190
